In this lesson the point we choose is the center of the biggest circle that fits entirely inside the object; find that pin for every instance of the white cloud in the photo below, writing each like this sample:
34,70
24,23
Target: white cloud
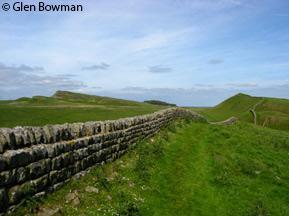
20,68
158,39
242,85
215,61
23,77
101,66
160,69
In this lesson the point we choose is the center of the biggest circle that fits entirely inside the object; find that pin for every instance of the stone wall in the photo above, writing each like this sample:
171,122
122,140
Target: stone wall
36,160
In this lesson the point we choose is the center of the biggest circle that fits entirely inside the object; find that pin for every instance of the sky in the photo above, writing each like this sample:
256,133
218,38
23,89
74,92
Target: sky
189,52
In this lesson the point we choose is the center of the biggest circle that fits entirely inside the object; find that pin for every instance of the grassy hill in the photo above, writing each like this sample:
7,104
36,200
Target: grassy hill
188,169
158,102
92,99
271,112
66,106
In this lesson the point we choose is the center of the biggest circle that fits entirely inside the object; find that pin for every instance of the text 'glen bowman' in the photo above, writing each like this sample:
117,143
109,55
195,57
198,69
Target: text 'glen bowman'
42,6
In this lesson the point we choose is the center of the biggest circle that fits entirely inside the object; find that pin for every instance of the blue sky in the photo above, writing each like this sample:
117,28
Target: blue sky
189,52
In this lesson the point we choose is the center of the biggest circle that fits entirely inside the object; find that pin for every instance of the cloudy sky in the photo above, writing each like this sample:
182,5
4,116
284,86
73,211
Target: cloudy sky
189,52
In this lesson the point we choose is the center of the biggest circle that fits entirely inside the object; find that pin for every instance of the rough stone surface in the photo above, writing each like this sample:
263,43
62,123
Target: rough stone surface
18,192
49,212
3,163
36,160
72,198
3,199
91,189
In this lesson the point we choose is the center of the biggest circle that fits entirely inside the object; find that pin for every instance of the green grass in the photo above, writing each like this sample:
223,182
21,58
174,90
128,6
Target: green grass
68,107
271,112
34,116
92,99
238,106
274,113
188,169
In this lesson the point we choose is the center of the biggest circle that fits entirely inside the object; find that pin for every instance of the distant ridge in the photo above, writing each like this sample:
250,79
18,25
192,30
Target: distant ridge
269,112
80,97
158,102
65,107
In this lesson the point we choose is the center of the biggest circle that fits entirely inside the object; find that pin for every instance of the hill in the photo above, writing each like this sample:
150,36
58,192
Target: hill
66,106
270,112
158,102
190,169
92,99
187,169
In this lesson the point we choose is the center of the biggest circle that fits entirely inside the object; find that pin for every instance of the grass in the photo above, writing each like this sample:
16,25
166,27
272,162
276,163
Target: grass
188,169
68,107
34,116
274,113
271,112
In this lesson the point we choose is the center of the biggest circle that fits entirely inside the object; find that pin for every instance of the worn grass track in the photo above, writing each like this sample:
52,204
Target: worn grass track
181,176
188,169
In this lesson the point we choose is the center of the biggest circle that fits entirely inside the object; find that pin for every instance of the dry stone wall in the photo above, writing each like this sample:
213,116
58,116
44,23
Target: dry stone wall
36,160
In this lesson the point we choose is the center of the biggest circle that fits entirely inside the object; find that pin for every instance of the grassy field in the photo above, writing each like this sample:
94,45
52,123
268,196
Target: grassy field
188,169
68,107
271,112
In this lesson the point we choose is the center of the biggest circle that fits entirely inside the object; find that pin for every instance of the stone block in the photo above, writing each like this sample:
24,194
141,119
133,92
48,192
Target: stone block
19,192
67,159
90,160
29,136
3,163
38,152
75,129
39,135
53,177
18,158
10,137
77,166
41,183
88,129
62,132
84,164
3,200
7,178
51,151
3,142
19,137
56,163
49,133
39,168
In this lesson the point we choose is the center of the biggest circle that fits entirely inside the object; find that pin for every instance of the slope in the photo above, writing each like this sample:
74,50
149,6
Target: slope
92,99
68,107
270,112
190,169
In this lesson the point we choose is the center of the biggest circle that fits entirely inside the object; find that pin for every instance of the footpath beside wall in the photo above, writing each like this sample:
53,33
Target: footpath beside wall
36,160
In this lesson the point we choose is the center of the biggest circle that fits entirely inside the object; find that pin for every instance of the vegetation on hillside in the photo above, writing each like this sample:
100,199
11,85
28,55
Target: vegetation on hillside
68,107
271,112
158,102
188,169
92,99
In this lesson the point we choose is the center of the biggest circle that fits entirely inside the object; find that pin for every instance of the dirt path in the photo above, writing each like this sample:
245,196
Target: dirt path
254,112
229,121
